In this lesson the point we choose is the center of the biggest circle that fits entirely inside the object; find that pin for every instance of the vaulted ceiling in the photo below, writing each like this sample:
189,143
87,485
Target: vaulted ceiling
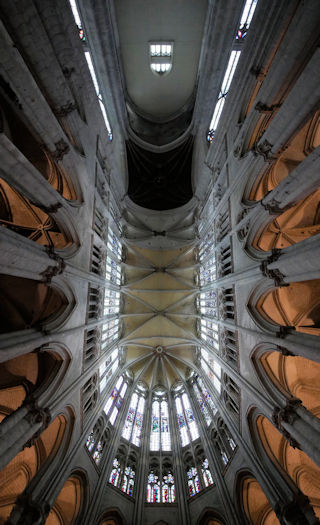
160,314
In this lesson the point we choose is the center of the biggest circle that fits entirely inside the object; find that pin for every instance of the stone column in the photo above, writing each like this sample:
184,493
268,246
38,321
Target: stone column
20,429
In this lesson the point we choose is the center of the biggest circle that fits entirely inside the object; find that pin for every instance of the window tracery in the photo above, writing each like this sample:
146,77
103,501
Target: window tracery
160,438
187,425
114,403
123,472
160,482
134,421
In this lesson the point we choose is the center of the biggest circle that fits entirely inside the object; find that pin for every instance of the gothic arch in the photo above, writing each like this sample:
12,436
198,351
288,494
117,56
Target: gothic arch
285,376
294,306
292,226
71,502
35,462
251,502
305,140
299,471
112,516
34,304
210,516
18,130
35,375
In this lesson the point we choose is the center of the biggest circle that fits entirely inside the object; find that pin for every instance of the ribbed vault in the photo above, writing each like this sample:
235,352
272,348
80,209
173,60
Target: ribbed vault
159,313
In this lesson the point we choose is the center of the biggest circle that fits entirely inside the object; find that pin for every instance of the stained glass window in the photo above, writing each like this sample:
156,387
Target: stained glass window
209,332
108,368
168,490
246,17
186,422
98,452
211,368
115,473
206,474
160,430
87,55
202,404
123,478
193,481
133,425
155,426
115,400
153,488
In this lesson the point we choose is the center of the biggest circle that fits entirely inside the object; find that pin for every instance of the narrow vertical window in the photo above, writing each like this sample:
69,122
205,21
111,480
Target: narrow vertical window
132,428
193,481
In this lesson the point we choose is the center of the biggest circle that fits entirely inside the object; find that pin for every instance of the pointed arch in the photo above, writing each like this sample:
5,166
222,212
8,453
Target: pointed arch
112,516
25,470
303,472
284,376
251,501
33,304
71,502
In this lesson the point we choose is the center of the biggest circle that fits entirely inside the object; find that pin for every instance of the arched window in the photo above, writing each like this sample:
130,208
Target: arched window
98,439
160,438
193,481
160,483
153,487
212,368
108,368
124,470
133,425
223,441
187,425
207,406
114,403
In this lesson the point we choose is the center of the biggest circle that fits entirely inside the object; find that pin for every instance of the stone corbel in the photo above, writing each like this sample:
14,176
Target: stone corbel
61,149
263,148
264,108
294,512
28,512
64,110
275,274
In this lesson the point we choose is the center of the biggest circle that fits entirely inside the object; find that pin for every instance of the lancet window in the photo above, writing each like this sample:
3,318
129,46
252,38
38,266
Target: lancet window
97,440
134,421
246,17
77,19
124,470
108,368
223,441
160,438
207,258
114,403
187,425
212,368
207,406
160,483
198,474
